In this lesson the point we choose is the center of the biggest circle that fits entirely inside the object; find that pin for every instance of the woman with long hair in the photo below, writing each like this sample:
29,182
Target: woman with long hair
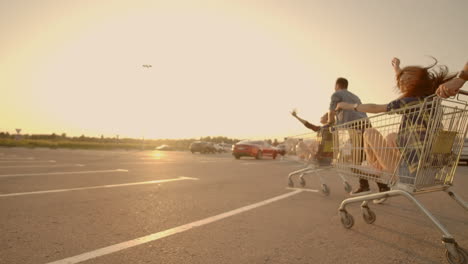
415,84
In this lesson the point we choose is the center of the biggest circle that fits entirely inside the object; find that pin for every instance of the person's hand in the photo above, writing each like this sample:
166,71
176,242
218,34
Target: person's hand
450,88
294,112
344,106
396,64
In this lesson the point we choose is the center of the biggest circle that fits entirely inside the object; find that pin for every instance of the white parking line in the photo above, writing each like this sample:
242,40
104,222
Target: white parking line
251,163
155,159
159,235
98,187
62,173
42,166
15,158
302,189
147,162
27,161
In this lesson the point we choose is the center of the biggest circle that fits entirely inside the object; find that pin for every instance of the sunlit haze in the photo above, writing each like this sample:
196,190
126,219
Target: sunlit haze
230,68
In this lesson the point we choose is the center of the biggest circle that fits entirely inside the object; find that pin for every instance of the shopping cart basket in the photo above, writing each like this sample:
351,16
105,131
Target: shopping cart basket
417,149
318,159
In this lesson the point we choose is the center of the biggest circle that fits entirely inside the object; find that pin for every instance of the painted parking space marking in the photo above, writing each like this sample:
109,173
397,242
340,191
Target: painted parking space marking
15,158
159,235
62,173
147,162
155,159
27,161
252,163
40,166
99,187
302,189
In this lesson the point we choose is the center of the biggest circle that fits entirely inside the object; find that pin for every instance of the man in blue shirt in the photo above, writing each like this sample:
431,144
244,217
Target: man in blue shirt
342,94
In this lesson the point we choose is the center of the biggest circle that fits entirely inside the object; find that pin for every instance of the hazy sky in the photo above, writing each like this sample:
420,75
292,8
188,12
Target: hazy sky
233,68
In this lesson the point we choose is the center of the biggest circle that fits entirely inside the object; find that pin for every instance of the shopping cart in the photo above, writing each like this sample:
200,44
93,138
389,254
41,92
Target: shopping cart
418,149
318,158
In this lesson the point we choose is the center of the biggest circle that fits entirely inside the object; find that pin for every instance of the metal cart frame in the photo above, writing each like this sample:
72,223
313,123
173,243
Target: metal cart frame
415,150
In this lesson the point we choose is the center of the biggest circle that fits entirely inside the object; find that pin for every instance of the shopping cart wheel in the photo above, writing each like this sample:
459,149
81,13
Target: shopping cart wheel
346,219
290,183
368,215
347,187
325,189
462,257
302,182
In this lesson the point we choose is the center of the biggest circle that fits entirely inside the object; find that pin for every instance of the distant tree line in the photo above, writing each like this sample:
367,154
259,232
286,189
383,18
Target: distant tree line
62,140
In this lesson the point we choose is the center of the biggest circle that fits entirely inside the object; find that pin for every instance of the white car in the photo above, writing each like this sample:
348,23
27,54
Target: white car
219,148
224,147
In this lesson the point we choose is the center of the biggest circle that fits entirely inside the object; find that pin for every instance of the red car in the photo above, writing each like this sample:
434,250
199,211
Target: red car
256,149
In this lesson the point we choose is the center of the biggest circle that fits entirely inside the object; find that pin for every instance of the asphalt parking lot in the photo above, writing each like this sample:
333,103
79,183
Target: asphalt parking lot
73,206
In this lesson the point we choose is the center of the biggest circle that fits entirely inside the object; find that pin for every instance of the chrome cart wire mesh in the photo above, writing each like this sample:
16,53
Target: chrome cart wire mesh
415,149
315,150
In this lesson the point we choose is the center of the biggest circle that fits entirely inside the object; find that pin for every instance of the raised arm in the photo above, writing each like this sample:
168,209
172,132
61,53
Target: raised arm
396,66
366,108
294,113
305,122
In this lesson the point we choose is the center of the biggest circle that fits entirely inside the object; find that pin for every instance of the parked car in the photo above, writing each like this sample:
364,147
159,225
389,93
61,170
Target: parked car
219,148
226,147
256,149
202,147
464,154
164,148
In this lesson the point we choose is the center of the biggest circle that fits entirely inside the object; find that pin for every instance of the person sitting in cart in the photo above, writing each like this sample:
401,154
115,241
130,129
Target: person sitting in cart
415,84
343,95
325,152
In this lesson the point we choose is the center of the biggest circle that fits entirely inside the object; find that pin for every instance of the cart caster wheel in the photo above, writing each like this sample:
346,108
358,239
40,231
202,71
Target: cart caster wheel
379,201
325,190
347,187
302,182
290,183
346,219
462,257
368,215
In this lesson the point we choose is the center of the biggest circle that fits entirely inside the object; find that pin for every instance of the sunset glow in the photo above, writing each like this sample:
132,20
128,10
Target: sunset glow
218,68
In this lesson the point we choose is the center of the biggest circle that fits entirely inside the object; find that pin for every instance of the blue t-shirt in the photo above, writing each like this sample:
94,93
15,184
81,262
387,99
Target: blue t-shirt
344,116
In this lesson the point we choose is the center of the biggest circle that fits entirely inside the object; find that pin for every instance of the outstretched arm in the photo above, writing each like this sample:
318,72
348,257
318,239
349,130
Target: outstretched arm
305,122
452,87
366,108
294,113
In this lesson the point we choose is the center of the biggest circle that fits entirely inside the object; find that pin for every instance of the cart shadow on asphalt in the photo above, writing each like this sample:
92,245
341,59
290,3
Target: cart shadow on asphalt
438,215
407,236
420,219
401,249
